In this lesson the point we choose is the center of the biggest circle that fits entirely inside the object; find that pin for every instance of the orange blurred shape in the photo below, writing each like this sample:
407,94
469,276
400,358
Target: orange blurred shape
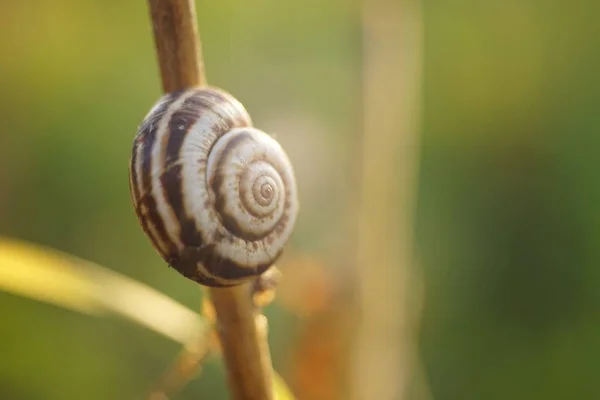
307,286
318,364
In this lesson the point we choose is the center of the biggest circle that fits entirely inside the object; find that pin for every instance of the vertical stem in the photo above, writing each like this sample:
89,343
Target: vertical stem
177,43
385,348
246,350
245,347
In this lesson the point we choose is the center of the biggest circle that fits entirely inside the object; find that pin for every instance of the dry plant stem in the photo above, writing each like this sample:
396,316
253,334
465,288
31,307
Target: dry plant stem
244,347
177,43
246,352
186,366
385,345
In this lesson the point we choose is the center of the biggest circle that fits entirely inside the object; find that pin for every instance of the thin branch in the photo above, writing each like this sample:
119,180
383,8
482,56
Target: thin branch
245,348
186,366
177,43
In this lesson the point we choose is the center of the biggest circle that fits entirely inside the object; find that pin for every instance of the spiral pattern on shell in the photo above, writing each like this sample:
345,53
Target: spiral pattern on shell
216,196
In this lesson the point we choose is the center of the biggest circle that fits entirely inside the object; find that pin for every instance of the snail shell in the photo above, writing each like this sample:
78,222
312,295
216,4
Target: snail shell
216,197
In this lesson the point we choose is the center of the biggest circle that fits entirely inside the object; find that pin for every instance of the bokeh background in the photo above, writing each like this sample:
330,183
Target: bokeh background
507,224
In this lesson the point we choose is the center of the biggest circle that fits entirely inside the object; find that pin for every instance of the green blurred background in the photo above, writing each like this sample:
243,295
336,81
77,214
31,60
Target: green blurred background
508,223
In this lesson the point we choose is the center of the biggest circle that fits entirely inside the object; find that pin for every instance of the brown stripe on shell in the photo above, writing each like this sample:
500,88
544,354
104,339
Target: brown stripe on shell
148,201
280,224
147,208
193,261
165,249
138,203
224,271
172,183
172,187
206,281
187,265
133,186
148,128
229,270
205,266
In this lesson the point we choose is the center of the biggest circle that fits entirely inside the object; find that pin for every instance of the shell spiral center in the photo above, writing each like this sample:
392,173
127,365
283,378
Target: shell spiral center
247,173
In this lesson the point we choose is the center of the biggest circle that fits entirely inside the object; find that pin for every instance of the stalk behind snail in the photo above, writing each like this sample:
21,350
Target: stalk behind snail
216,196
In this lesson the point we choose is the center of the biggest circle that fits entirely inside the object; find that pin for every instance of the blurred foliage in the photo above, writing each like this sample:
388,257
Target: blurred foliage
508,220
52,277
509,217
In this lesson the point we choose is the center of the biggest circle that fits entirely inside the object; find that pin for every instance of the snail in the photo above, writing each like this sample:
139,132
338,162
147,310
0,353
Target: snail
216,197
